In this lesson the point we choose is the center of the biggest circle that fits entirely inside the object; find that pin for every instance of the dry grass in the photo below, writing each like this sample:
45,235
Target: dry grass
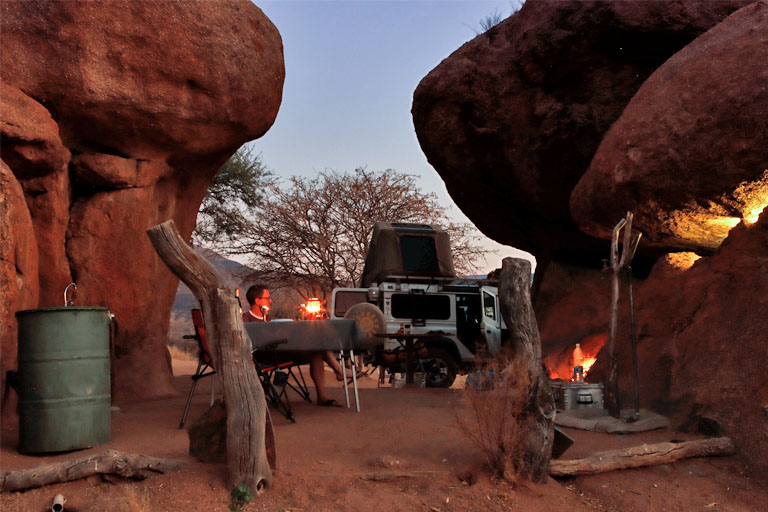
178,353
488,418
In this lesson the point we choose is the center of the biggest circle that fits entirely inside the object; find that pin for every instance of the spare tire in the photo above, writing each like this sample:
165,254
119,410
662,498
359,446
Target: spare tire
369,318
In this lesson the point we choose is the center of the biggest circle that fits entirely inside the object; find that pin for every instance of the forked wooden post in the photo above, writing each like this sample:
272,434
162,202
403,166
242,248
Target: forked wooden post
617,266
230,346
536,419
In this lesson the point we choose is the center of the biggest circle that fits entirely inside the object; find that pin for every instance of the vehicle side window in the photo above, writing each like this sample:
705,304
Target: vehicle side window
489,306
425,307
419,254
345,300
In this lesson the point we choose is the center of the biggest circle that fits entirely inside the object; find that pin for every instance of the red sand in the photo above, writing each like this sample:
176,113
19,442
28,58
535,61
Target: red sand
322,457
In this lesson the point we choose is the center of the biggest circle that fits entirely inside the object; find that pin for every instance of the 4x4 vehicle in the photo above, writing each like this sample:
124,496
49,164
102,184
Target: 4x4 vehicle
409,286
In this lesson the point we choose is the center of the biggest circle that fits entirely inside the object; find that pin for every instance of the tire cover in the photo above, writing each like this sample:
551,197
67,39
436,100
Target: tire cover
369,318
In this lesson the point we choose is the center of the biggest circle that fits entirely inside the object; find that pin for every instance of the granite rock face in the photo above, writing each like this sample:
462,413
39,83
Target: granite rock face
701,342
548,128
149,99
513,118
689,154
31,141
18,264
147,80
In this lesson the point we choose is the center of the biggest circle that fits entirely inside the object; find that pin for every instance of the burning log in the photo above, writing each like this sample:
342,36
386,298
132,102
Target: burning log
641,456
230,348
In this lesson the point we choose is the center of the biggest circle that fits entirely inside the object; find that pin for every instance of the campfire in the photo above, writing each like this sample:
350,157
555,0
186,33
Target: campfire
569,369
563,364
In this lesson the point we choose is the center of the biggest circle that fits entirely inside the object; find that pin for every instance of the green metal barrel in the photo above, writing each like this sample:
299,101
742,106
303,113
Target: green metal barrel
64,391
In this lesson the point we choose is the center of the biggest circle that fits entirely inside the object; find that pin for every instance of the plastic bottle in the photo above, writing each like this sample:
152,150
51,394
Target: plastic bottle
578,356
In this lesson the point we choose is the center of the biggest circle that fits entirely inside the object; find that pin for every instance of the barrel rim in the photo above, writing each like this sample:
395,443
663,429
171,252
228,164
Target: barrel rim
68,308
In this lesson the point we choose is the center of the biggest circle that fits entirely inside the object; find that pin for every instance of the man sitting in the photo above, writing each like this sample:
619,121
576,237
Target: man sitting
259,301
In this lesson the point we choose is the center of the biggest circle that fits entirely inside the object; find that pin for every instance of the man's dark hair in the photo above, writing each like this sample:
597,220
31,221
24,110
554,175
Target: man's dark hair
254,292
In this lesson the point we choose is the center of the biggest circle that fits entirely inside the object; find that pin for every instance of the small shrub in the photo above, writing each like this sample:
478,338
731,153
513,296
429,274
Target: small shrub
488,418
490,21
239,497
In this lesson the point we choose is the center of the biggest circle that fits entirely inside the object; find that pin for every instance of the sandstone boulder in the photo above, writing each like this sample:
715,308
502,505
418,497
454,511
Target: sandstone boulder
35,154
700,330
147,79
18,264
512,119
689,154
31,142
150,98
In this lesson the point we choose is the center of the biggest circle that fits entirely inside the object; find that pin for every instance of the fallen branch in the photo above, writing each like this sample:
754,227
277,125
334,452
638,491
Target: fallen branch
126,465
640,456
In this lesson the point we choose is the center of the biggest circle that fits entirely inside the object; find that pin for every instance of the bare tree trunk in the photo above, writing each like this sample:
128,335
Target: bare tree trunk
536,419
617,266
230,349
640,456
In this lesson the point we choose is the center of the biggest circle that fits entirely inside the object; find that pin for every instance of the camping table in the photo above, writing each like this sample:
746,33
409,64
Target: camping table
407,340
312,337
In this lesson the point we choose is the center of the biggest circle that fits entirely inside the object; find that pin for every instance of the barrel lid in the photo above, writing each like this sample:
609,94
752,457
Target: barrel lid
53,310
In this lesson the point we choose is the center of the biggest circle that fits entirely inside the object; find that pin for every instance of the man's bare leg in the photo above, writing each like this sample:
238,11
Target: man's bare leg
317,373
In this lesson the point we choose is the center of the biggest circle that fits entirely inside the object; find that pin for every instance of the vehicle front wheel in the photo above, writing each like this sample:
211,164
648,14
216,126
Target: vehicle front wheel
440,368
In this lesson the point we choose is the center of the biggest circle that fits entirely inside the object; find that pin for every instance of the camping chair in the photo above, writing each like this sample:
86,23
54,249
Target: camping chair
275,380
272,376
204,360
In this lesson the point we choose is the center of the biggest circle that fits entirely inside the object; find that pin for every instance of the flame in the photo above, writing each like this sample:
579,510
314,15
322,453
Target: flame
313,305
560,364
587,364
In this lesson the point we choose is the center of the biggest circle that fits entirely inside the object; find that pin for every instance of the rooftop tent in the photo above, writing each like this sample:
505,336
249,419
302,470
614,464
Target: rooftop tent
398,249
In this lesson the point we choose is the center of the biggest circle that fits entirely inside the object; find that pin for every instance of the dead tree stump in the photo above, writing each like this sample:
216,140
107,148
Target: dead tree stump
618,265
230,348
535,420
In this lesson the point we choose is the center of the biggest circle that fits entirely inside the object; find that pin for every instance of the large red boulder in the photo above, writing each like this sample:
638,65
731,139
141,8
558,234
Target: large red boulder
32,148
31,142
689,154
145,79
18,264
512,119
701,325
702,349
150,98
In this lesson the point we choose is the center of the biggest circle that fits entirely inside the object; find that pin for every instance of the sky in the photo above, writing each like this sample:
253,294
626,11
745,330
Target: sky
351,68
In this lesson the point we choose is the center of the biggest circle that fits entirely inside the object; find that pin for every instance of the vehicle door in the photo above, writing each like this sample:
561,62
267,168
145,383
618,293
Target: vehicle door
490,321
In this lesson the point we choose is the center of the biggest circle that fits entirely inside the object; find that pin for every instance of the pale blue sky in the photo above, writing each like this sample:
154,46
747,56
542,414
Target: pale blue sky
350,71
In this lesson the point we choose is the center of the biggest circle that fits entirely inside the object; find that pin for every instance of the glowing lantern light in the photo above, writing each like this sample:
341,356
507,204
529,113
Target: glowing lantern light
313,305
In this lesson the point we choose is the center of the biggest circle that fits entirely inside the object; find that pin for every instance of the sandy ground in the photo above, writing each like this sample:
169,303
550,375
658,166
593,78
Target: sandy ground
323,457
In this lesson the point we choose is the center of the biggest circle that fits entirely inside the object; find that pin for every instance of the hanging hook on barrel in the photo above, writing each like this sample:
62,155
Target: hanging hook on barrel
66,290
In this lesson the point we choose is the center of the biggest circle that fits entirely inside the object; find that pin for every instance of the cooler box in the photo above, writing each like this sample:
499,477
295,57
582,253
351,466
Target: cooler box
572,395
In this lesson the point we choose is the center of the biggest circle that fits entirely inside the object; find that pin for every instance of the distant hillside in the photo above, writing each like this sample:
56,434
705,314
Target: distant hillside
230,270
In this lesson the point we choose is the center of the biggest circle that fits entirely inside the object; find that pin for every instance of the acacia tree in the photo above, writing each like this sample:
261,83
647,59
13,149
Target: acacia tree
237,188
313,234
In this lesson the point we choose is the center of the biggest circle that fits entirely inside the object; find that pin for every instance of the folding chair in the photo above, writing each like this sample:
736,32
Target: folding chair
274,377
204,360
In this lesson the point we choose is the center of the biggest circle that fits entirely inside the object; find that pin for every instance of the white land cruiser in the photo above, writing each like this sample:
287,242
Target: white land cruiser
409,287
